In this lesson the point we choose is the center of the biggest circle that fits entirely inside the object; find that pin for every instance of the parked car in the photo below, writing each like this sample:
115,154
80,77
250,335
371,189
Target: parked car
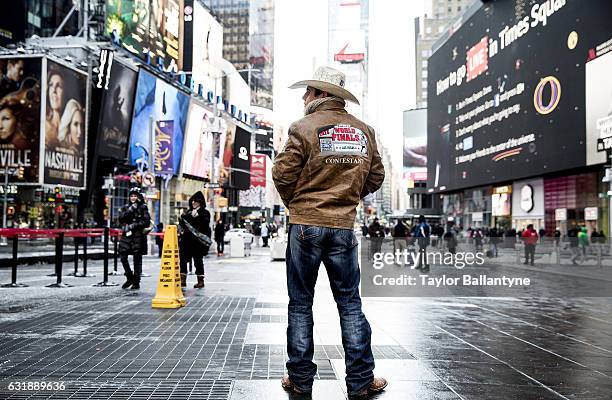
238,232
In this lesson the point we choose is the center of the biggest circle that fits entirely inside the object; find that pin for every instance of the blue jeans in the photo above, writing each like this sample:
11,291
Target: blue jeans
337,248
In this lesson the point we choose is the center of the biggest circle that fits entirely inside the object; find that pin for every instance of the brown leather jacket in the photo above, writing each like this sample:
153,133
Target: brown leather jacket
329,163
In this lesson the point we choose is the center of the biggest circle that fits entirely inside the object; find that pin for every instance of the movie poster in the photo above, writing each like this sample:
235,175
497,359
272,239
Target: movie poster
20,89
225,167
198,142
118,103
66,97
160,115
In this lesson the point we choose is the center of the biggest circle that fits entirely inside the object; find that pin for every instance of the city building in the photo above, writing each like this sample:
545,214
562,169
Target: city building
439,16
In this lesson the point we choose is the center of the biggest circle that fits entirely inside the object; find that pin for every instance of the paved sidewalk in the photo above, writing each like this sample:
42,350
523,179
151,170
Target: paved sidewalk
229,341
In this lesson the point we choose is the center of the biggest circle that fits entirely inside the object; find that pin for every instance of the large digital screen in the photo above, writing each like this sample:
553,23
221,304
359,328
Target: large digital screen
65,125
415,145
158,125
118,103
198,142
506,92
148,28
20,91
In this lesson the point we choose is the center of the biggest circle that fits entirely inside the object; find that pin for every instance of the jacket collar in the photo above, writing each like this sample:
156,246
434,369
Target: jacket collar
331,105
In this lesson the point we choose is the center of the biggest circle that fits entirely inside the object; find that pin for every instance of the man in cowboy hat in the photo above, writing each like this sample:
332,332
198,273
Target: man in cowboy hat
329,163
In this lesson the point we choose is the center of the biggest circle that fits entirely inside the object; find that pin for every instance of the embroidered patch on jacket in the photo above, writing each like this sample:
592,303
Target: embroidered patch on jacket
342,140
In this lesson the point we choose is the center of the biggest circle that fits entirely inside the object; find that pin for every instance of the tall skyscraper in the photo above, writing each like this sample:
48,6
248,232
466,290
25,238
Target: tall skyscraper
428,29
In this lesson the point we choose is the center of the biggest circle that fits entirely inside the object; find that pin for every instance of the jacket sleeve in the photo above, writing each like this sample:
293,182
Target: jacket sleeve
206,223
376,176
288,166
143,221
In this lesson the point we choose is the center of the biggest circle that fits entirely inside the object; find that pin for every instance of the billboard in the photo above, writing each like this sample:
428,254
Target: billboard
241,164
158,123
65,125
148,28
207,48
496,112
598,105
20,93
256,195
261,52
118,87
198,142
415,145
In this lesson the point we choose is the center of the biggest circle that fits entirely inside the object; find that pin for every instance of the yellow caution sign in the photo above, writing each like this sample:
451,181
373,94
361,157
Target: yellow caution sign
169,293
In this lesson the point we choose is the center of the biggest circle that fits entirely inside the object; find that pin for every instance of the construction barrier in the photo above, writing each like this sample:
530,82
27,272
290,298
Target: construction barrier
169,293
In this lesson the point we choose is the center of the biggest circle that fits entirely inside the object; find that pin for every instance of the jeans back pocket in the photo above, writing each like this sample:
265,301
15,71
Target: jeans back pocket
306,232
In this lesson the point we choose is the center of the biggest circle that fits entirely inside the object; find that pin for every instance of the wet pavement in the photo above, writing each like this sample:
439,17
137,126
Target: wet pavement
229,341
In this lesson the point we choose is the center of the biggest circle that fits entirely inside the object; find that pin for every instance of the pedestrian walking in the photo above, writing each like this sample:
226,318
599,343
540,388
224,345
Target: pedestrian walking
494,238
220,237
572,237
194,240
557,237
400,234
265,234
478,238
530,239
377,235
450,237
134,219
330,161
583,242
422,232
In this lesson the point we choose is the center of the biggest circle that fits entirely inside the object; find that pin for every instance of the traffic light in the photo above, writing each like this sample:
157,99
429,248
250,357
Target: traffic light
20,172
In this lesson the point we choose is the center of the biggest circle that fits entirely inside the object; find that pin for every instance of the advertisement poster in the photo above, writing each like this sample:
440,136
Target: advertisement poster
415,146
198,142
496,112
227,151
65,133
20,93
256,195
261,52
598,105
138,25
158,124
241,164
117,106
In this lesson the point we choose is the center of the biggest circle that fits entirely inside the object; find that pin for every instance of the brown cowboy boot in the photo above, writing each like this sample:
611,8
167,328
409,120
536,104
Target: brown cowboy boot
200,283
183,280
377,386
290,387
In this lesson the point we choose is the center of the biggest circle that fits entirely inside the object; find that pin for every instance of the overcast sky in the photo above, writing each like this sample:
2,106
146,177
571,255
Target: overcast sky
300,45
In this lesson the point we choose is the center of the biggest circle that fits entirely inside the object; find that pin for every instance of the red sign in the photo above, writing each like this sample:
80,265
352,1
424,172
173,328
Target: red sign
477,59
343,57
258,170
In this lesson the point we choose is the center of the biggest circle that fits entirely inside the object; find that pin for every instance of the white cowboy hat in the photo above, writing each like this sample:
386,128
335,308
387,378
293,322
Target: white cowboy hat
329,80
